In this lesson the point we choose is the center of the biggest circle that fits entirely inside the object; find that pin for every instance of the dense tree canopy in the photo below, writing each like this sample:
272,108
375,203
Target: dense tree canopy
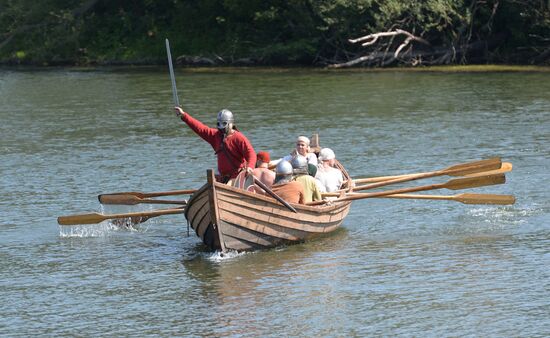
305,32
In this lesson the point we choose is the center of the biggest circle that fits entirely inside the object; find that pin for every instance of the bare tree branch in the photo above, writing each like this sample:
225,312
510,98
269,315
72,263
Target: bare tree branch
387,57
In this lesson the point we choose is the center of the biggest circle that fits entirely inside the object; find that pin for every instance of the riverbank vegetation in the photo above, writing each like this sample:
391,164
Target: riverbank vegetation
383,33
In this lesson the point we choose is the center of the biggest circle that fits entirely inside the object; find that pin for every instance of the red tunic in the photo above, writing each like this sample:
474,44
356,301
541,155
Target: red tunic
237,146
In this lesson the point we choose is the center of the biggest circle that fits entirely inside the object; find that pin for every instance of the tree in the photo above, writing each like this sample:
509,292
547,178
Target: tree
445,32
54,23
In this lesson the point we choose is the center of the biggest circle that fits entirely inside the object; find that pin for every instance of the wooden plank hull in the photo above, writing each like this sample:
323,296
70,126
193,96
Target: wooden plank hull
229,218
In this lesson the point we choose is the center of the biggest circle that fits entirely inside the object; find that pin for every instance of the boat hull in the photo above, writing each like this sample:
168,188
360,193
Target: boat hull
229,218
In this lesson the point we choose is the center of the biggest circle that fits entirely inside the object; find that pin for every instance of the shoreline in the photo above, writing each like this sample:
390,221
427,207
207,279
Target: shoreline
490,68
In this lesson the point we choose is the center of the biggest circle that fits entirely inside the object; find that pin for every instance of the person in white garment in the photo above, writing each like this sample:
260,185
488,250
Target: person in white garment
302,148
329,178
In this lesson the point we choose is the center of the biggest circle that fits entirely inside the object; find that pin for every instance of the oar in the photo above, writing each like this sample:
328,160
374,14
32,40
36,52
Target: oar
274,195
506,167
454,184
465,198
95,217
124,199
456,170
104,198
172,76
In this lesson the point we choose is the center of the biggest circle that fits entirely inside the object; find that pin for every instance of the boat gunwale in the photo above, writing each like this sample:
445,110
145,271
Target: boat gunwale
320,209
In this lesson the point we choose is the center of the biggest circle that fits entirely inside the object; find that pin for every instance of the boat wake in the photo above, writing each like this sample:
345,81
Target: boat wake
223,256
102,229
504,216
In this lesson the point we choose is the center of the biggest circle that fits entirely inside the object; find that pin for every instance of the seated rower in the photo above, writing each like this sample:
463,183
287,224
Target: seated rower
284,187
302,148
328,177
262,171
300,170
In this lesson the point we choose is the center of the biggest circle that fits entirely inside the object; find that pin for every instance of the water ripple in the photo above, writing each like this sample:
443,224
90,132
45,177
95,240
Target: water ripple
395,268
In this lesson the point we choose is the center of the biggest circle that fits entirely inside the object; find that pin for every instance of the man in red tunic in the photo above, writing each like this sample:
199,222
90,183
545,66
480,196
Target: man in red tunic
233,149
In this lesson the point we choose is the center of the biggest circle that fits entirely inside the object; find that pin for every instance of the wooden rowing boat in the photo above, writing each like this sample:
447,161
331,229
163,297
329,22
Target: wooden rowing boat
229,218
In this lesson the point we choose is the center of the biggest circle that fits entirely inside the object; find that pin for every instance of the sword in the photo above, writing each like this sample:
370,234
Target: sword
172,77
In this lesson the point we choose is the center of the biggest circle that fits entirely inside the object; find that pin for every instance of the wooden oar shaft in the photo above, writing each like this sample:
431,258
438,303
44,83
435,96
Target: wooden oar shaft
506,167
460,169
133,200
165,193
454,184
105,197
465,198
93,218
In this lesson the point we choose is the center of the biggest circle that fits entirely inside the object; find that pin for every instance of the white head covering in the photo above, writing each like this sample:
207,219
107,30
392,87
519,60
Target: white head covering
326,154
303,139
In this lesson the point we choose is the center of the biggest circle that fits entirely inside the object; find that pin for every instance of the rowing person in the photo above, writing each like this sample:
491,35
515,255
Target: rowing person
232,148
289,190
262,171
302,148
301,175
328,176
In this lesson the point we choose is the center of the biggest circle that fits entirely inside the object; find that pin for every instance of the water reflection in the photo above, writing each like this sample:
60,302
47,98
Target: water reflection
236,283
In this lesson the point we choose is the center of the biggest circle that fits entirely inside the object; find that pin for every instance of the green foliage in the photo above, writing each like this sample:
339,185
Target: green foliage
269,31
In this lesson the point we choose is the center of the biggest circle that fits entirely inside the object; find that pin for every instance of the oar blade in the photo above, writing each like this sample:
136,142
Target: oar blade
474,167
106,198
94,218
486,199
474,182
506,167
120,199
91,218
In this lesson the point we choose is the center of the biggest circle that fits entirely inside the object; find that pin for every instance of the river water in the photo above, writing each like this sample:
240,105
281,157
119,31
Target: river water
395,268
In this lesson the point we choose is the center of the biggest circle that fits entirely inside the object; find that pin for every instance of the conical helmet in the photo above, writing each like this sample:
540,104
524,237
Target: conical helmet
225,117
284,168
299,164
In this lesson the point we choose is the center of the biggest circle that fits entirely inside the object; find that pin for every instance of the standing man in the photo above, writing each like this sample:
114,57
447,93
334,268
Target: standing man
233,149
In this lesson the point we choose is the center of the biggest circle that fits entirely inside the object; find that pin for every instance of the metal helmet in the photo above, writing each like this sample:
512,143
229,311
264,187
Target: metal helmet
299,164
225,118
283,168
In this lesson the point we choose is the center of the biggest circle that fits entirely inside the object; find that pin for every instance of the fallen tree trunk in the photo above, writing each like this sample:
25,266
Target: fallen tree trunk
415,56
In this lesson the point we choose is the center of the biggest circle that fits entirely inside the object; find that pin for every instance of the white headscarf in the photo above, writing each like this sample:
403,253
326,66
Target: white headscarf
303,139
